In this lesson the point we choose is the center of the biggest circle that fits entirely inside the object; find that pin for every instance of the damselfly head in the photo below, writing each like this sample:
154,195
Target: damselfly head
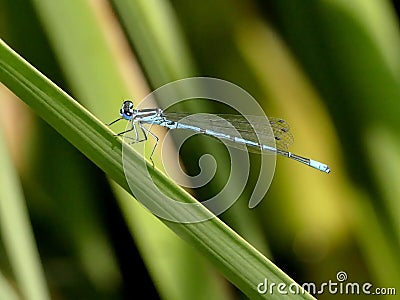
126,110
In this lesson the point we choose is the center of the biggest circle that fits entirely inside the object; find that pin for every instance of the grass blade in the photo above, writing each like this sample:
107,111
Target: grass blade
238,261
17,234
6,290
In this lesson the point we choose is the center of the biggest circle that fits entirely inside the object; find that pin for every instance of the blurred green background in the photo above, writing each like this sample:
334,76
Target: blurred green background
331,69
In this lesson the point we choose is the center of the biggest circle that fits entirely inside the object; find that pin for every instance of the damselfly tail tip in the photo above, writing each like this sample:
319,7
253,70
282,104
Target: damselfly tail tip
319,166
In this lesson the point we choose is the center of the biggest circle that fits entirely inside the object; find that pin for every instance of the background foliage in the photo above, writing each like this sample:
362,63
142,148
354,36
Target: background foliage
330,68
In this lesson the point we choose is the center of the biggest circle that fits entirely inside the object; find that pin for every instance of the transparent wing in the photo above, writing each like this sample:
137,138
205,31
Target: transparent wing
273,132
281,129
